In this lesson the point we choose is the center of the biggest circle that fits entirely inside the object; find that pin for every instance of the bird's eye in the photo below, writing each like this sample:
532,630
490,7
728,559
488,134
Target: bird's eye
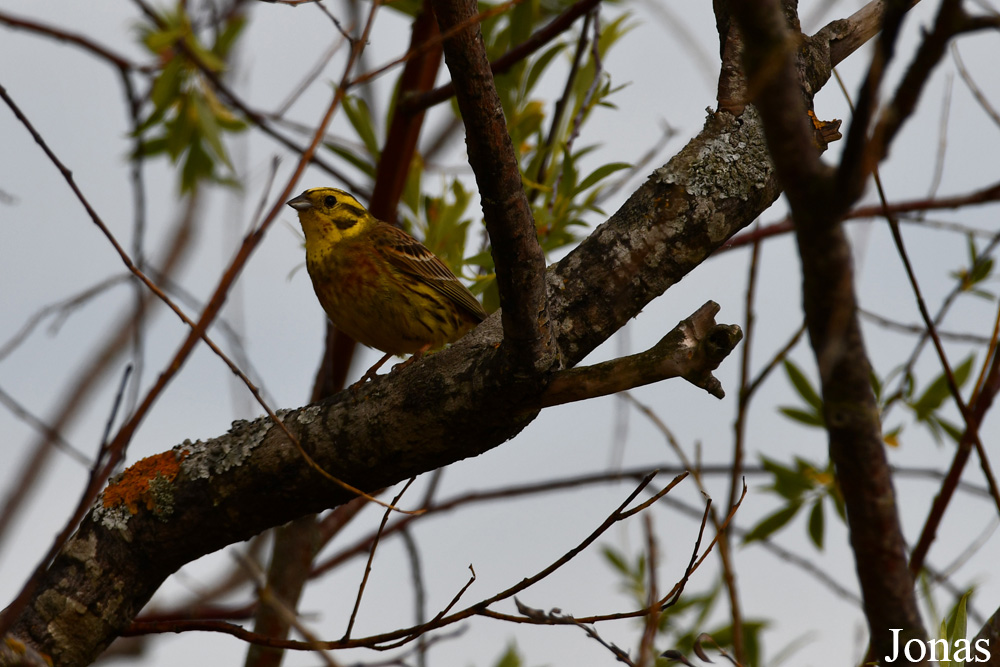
330,201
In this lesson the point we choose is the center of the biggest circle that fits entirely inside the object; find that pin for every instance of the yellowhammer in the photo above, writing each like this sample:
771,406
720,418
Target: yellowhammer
378,284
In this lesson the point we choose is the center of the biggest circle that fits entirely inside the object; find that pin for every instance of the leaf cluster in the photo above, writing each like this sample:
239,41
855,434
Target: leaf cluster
801,485
188,121
543,132
680,625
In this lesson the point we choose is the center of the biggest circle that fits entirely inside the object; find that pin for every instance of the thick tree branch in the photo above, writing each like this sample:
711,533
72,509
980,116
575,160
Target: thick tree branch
519,261
846,36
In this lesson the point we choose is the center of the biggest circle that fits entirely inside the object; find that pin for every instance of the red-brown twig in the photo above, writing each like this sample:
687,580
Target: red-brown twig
987,195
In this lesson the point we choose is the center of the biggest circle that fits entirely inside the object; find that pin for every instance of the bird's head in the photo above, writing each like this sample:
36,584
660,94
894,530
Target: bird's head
329,214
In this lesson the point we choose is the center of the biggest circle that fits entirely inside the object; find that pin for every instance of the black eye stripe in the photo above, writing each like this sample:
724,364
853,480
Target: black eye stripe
354,210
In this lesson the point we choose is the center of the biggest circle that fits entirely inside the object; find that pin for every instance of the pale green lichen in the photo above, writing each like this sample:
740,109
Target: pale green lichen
113,518
218,455
308,414
161,494
84,551
730,159
68,622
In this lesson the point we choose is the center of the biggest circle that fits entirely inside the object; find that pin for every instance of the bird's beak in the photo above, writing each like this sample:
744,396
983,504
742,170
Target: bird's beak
300,203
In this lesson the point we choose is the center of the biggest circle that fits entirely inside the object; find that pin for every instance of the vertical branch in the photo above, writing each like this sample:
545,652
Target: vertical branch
736,476
849,407
651,622
404,130
732,94
520,263
295,546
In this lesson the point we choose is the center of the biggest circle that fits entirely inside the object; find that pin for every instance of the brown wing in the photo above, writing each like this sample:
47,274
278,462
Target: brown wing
409,255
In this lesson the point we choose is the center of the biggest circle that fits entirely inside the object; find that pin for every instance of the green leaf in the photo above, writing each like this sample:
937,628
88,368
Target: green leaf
167,86
751,639
360,117
926,586
600,174
209,129
510,657
955,628
152,146
616,559
803,386
180,130
981,270
816,521
803,417
227,38
937,391
522,20
788,483
358,162
962,372
538,66
954,432
943,632
198,165
876,384
772,523
407,7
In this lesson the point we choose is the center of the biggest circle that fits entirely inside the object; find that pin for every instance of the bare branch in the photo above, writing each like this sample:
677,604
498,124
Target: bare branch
520,264
692,351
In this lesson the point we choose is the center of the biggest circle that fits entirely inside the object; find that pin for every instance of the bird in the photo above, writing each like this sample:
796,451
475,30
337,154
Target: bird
378,284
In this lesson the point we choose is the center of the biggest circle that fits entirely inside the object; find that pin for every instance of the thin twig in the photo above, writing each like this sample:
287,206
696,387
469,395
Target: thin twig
651,622
739,441
675,593
778,357
60,311
26,416
371,557
973,88
267,597
560,108
988,195
920,330
588,98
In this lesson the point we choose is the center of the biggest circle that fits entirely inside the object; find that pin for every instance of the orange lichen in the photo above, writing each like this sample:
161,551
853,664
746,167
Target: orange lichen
827,131
17,651
133,486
